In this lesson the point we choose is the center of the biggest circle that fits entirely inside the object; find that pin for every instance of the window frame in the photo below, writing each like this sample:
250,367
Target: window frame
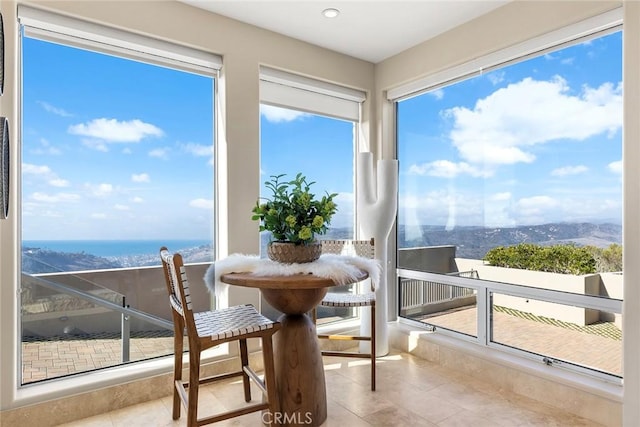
591,28
78,33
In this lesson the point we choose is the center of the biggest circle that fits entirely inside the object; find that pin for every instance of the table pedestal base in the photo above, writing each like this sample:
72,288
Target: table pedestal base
299,373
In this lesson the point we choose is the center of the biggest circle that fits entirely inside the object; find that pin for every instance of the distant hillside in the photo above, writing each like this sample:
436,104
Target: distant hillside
37,260
474,242
471,242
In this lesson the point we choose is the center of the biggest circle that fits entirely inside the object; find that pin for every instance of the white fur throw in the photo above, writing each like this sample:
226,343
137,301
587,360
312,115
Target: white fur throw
342,269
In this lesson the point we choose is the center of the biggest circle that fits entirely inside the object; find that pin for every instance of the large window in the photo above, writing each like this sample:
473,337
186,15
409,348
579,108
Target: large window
117,161
309,127
515,169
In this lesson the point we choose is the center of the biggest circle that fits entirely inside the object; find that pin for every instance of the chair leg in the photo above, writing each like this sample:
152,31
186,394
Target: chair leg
194,383
178,348
373,347
244,358
270,377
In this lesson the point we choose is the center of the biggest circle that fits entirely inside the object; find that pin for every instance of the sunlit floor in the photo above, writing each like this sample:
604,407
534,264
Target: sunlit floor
410,392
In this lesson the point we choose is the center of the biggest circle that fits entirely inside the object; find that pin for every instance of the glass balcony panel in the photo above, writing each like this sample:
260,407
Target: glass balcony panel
576,335
73,323
441,305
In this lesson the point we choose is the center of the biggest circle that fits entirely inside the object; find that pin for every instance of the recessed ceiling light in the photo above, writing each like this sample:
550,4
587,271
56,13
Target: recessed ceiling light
330,12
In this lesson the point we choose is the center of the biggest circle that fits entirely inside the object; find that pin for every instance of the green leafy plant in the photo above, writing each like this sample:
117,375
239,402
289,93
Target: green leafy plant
565,259
292,214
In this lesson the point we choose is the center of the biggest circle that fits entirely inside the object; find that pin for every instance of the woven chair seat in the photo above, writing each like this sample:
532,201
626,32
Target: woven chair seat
230,322
334,299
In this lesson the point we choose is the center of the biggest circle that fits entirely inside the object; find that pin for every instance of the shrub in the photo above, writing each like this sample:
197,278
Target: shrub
565,259
607,259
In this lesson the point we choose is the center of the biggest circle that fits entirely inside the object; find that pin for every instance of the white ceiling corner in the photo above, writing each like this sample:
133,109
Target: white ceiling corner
371,30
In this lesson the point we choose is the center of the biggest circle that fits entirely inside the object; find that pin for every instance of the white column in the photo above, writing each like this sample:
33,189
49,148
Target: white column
631,228
377,196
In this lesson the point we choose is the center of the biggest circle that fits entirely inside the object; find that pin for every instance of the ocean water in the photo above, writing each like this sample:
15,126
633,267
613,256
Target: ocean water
114,248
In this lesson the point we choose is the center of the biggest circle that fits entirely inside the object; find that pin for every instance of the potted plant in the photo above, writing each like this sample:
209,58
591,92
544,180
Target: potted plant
294,217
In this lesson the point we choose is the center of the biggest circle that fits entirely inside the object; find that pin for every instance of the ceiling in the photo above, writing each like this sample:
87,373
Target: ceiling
370,30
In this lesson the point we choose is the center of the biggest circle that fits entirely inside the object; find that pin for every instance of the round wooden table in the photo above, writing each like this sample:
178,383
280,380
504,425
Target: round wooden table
298,361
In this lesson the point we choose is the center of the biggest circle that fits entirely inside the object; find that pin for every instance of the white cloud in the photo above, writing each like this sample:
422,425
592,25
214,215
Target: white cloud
615,167
141,177
51,109
569,170
44,172
446,169
161,153
201,204
137,200
503,127
500,197
460,206
58,182
112,130
95,145
277,114
46,148
198,150
437,94
30,169
99,190
99,215
119,207
54,198
531,210
496,77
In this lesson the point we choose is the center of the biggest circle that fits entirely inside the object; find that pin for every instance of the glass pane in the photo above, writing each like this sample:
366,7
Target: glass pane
528,153
580,336
322,149
516,174
441,305
114,167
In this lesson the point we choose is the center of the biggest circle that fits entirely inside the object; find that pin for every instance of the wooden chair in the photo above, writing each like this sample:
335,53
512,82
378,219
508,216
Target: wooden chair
362,248
208,329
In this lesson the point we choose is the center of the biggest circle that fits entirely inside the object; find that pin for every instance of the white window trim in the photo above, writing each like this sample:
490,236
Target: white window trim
587,29
62,29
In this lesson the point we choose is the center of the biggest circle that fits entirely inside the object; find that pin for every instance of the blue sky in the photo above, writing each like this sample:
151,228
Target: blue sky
112,148
117,149
535,142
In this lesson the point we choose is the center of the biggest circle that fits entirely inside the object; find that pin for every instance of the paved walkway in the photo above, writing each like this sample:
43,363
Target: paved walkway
49,359
580,345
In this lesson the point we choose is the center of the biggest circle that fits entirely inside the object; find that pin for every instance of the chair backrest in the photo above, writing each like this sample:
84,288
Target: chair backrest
361,248
351,247
177,286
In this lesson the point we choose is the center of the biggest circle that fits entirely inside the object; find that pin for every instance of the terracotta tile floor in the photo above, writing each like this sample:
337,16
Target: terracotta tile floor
411,392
